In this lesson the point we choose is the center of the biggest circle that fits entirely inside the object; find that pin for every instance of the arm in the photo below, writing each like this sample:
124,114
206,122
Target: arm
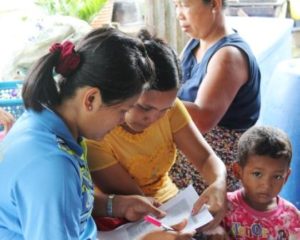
115,179
227,71
6,119
49,194
107,174
190,141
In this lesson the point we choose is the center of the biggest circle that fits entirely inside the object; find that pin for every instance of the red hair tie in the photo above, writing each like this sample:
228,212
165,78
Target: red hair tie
68,60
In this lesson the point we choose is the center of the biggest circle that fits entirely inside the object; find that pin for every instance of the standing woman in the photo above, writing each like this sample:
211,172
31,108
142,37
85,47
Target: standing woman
221,82
46,188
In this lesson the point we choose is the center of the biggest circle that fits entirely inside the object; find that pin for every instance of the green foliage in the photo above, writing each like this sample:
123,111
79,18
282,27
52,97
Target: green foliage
83,9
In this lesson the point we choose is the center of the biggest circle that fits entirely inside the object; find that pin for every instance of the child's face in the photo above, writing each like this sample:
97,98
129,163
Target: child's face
262,178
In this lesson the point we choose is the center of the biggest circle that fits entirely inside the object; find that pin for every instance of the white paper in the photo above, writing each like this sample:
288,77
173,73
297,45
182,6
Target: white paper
177,208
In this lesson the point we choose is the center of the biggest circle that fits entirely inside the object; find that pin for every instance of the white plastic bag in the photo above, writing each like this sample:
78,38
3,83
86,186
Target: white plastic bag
27,40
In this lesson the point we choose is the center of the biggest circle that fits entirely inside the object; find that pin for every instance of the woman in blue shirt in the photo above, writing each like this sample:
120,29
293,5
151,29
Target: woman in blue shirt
221,82
46,188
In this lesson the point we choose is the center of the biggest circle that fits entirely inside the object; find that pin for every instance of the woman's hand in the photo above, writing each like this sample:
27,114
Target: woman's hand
134,207
214,197
6,119
170,235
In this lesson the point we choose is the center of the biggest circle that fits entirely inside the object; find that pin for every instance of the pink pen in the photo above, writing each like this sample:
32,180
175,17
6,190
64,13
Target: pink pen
157,223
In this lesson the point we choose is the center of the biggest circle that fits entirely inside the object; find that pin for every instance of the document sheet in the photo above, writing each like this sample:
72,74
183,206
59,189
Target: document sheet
177,209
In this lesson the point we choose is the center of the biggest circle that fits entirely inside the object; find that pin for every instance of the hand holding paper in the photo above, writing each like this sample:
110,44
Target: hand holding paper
177,209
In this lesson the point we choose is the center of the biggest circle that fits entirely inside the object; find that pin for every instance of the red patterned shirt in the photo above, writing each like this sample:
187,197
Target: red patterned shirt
245,223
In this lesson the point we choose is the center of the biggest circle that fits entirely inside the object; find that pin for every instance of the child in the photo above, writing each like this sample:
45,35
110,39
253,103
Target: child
257,211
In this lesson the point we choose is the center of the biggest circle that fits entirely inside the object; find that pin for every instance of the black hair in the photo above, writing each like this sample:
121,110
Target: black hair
264,141
110,60
167,66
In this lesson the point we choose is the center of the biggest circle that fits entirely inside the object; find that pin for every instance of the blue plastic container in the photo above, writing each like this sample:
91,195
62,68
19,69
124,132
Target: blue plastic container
10,98
265,8
270,40
281,109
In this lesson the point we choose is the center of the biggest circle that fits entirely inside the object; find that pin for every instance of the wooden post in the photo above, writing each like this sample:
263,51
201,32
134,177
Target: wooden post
160,18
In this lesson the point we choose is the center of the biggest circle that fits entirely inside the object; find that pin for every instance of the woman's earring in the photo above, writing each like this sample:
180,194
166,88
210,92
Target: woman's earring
90,102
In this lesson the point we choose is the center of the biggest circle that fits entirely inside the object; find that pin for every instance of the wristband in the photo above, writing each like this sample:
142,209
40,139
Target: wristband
109,205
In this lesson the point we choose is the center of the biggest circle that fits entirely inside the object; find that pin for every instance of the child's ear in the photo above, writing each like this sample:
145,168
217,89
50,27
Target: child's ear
287,175
236,170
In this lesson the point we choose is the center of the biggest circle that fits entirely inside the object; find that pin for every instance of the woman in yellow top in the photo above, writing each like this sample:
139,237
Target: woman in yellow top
136,156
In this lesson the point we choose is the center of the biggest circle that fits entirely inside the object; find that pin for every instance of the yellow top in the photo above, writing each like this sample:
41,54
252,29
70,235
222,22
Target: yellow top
147,156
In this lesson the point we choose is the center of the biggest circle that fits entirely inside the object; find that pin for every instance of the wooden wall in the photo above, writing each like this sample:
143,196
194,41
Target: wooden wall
160,17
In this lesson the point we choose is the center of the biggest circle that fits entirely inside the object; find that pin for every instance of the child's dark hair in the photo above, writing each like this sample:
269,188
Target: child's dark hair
167,66
110,60
264,141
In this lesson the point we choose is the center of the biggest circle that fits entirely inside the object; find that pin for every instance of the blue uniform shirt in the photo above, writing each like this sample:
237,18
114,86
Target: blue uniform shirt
46,190
244,110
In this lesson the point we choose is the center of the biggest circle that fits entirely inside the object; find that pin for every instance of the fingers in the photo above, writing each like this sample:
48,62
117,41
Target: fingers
152,207
154,202
218,215
198,204
180,226
215,200
153,210
136,207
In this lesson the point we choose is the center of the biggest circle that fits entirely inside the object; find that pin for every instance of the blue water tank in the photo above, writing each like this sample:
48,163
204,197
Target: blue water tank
281,109
269,38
